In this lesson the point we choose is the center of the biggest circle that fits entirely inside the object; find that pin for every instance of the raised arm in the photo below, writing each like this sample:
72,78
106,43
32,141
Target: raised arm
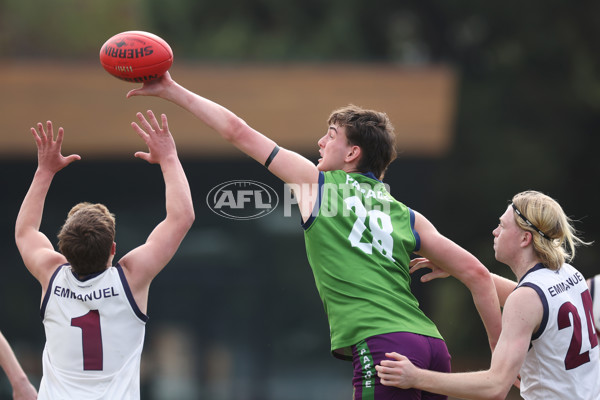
465,267
143,263
22,387
289,166
37,251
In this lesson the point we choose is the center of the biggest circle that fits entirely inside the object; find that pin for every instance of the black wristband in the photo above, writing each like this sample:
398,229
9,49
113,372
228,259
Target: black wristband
271,156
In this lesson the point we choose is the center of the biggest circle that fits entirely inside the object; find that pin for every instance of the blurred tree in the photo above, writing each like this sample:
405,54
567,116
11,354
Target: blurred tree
528,106
64,28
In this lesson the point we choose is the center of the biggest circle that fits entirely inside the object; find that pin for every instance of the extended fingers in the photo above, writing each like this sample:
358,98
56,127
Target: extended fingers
39,133
386,365
60,136
159,129
144,122
44,135
395,356
153,121
50,130
435,274
417,260
141,133
165,123
35,135
386,378
386,372
145,129
419,263
150,124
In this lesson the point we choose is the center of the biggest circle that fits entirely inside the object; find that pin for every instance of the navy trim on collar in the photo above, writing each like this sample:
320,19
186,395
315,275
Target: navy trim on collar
370,175
536,267
87,277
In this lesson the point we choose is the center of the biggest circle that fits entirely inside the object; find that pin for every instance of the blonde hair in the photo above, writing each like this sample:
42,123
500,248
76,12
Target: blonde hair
556,242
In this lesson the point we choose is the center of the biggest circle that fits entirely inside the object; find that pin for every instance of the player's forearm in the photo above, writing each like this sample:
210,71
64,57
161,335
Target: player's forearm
482,289
10,364
16,376
225,122
489,310
481,385
178,197
32,208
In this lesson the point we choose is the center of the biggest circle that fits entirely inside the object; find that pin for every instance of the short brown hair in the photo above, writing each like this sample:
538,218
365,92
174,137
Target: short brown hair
86,237
373,132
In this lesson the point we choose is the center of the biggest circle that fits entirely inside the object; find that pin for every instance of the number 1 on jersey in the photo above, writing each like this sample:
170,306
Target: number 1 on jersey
91,338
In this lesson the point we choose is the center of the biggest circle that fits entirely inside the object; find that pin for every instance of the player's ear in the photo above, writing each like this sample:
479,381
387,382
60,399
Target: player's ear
527,239
353,153
113,249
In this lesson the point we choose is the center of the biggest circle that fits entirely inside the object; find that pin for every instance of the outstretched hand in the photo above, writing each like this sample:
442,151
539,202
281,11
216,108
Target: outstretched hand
49,148
154,87
436,272
398,371
158,138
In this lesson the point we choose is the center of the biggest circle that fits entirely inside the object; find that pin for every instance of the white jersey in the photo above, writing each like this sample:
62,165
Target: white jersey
563,360
595,291
94,337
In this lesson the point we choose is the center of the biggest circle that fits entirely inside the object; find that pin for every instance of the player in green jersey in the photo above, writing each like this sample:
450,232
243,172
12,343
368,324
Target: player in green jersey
359,239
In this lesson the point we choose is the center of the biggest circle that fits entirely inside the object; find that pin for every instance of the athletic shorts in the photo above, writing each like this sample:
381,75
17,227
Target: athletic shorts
423,351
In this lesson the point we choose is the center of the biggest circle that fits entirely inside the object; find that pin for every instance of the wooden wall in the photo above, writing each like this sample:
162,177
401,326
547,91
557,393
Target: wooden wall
289,103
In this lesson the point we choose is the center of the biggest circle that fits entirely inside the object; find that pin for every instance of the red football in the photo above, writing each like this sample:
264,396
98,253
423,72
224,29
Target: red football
136,56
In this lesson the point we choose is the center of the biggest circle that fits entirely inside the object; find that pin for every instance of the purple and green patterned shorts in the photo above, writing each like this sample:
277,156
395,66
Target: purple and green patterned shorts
423,351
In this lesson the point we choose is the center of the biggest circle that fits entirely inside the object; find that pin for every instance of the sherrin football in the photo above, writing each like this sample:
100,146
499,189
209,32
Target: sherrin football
136,56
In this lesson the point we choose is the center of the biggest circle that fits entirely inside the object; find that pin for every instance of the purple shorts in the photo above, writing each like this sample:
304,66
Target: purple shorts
423,351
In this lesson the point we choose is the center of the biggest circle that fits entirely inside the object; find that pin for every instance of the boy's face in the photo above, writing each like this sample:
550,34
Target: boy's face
507,237
333,148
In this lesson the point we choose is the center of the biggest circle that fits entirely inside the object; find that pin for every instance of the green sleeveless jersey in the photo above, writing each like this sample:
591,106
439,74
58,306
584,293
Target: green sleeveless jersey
358,242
